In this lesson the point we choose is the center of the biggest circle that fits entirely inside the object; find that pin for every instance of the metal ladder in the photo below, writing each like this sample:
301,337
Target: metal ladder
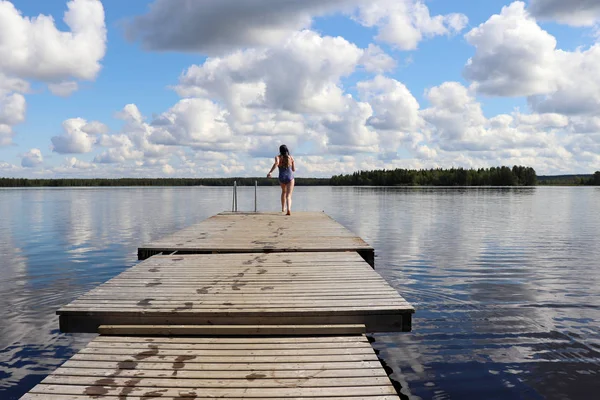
234,205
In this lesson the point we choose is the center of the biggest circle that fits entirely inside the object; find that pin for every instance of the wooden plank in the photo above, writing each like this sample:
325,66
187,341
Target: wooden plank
125,351
163,371
34,396
279,393
219,298
268,341
260,232
233,360
206,293
242,289
259,258
196,365
141,280
219,374
241,312
247,300
240,330
224,383
185,374
250,306
227,346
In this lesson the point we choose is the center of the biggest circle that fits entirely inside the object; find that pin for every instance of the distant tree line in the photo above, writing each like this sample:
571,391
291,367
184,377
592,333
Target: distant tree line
22,182
571,180
500,176
495,176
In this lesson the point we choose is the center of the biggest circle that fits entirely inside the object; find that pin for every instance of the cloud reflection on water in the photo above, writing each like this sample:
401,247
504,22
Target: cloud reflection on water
505,281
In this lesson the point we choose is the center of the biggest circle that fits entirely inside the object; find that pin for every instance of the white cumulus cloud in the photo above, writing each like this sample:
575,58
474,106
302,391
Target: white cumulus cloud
192,122
577,89
12,109
405,23
35,48
458,124
395,113
12,112
348,133
12,106
12,84
394,106
75,163
79,137
262,78
32,158
513,55
118,155
376,60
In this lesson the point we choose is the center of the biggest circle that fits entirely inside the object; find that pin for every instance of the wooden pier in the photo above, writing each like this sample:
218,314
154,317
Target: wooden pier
343,367
260,233
238,306
243,289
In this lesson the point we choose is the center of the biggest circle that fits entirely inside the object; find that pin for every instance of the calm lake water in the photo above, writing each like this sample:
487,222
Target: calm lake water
506,281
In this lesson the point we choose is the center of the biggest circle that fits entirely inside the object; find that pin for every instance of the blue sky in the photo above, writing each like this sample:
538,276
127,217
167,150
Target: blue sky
348,84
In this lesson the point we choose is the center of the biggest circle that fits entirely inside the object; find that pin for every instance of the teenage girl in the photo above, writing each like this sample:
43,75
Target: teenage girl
286,166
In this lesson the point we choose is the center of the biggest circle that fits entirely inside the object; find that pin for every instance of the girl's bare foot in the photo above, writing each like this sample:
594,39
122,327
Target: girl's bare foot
288,213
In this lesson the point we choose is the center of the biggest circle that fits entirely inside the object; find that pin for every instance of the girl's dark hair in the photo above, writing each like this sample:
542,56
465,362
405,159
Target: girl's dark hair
283,150
285,156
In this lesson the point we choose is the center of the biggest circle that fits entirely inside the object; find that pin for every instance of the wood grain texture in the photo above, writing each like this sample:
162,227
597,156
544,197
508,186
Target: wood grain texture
243,289
232,330
240,368
261,232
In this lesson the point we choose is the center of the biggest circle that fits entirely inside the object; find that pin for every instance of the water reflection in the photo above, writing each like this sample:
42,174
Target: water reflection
55,245
505,281
484,259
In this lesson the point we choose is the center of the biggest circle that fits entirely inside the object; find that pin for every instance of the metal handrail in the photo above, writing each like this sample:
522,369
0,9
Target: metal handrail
234,202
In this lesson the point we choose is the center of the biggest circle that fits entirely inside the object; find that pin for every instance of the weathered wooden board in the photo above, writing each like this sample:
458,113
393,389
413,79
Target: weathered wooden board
243,289
113,367
261,232
232,330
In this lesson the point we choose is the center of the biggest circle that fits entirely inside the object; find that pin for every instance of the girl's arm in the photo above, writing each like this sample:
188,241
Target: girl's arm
273,167
293,165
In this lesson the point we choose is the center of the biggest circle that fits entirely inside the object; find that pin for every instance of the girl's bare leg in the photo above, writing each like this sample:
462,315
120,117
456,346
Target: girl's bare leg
288,197
283,195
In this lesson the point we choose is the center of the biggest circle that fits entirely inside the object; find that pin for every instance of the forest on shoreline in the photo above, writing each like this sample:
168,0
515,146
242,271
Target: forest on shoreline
495,176
570,180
